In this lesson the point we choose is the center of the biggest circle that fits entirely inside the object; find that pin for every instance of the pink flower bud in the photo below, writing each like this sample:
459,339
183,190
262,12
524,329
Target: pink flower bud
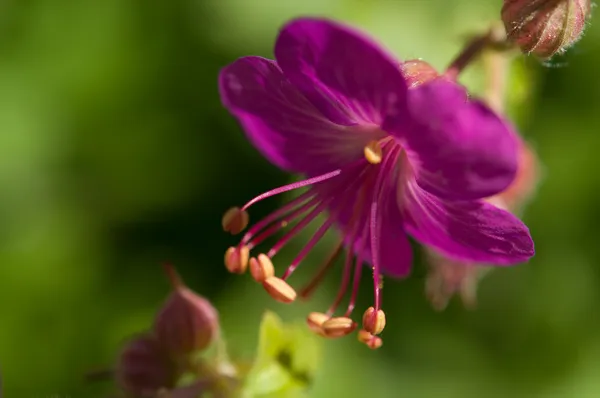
187,322
545,27
417,72
143,368
526,181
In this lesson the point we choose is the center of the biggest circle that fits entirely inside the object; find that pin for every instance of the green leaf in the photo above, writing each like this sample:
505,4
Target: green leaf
286,360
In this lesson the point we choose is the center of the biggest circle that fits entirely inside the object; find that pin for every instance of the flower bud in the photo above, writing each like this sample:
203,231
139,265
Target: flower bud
448,277
417,72
525,183
545,27
187,322
143,368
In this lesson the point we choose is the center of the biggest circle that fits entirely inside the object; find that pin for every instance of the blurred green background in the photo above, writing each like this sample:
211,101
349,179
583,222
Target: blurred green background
115,155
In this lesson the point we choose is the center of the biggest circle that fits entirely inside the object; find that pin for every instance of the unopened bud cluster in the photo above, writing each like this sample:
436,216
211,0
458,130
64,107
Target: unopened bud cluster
545,27
153,362
186,323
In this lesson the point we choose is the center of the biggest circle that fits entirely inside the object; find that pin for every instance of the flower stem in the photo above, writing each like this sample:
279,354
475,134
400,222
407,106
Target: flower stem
496,65
173,276
495,37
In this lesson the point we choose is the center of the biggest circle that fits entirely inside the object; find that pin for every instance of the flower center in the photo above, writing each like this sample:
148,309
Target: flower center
353,196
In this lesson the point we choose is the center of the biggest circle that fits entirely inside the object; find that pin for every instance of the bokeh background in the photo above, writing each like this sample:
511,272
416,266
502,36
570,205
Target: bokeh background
116,155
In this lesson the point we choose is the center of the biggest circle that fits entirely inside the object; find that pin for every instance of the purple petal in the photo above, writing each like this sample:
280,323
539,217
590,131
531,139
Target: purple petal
345,74
460,149
466,230
395,250
281,123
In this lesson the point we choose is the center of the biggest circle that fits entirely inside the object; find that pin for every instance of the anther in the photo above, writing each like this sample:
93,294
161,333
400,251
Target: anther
261,268
315,321
373,342
338,327
364,336
236,259
373,321
235,220
373,152
279,289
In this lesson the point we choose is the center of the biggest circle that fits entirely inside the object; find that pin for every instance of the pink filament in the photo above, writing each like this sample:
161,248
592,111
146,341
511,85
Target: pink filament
354,221
375,220
309,246
291,187
298,227
310,287
357,273
275,215
280,224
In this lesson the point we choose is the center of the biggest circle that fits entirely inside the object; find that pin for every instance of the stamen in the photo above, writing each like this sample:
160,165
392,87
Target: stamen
279,289
310,287
338,327
345,279
236,259
261,268
373,152
254,229
235,220
364,336
357,211
291,187
374,253
373,342
357,273
309,246
298,227
315,321
374,321
254,241
380,191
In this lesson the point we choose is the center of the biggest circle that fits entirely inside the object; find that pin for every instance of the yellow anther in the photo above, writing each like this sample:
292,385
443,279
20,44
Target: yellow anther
235,220
279,289
315,321
338,327
236,259
373,152
364,336
261,268
373,322
373,342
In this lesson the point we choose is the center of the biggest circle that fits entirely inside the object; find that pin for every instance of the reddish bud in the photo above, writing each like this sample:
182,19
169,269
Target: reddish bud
143,368
187,322
417,72
525,182
448,277
545,27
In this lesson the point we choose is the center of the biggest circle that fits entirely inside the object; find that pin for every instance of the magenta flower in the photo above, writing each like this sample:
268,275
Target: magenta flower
384,162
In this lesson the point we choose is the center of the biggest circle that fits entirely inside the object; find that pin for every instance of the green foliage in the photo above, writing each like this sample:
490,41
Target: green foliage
286,361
